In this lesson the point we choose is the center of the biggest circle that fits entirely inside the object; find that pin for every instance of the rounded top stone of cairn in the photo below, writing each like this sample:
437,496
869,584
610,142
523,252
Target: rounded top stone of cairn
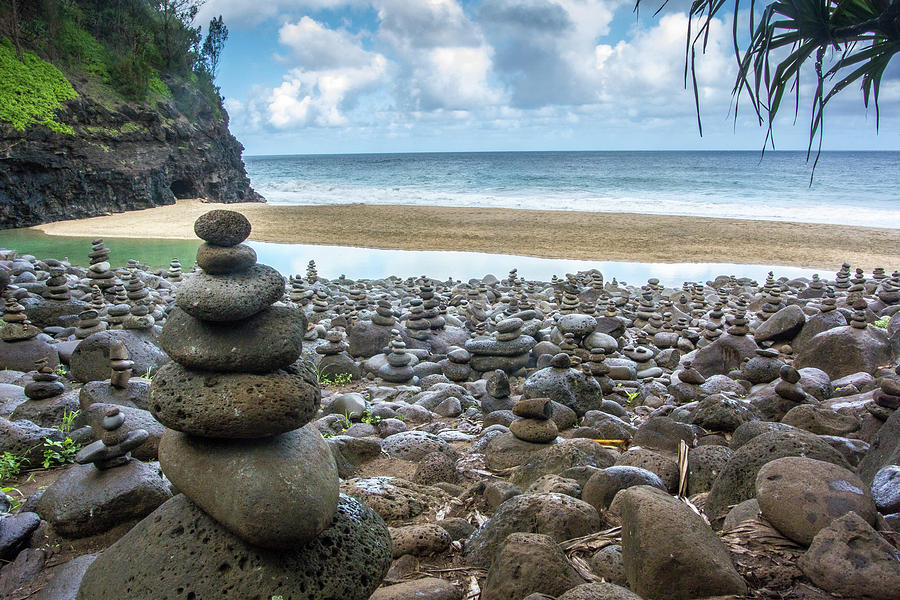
222,227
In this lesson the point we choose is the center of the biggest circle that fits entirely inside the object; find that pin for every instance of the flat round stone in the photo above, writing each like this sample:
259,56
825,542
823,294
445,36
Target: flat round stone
217,260
536,431
275,492
222,227
230,297
233,405
509,325
267,341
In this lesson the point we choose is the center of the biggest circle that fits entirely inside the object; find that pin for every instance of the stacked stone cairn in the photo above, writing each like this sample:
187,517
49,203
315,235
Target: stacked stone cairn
509,351
20,346
47,404
534,423
887,395
174,274
260,514
399,367
456,366
106,488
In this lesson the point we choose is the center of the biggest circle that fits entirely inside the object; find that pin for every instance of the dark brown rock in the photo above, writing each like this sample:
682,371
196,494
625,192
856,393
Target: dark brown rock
669,551
738,479
851,559
230,297
86,501
603,485
557,515
529,563
232,405
800,496
179,551
222,227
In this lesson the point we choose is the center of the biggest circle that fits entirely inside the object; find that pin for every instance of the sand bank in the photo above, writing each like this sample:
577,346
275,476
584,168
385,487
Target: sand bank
540,233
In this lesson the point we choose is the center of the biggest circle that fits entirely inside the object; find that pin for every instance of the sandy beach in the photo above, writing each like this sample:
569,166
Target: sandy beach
545,234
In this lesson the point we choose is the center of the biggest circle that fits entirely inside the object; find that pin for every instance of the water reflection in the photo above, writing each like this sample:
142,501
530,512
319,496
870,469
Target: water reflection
367,263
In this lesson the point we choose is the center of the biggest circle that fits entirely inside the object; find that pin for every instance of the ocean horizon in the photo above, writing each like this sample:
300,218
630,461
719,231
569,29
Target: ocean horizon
848,187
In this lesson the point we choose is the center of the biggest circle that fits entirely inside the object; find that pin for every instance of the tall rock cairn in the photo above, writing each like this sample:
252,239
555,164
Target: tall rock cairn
261,513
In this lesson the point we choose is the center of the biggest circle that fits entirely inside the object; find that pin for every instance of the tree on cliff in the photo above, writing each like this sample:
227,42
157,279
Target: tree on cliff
11,24
845,42
177,34
214,44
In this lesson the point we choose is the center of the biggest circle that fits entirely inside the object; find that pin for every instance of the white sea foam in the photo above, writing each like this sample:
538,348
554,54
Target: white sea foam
299,192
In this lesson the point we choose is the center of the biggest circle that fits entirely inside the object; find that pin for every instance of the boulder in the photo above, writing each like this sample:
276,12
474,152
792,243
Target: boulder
846,350
395,499
669,552
566,386
602,487
782,326
529,563
559,516
90,359
179,551
428,588
86,501
800,496
738,479
851,559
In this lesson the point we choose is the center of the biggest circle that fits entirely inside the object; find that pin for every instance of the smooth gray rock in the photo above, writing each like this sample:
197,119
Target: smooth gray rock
86,500
247,346
274,492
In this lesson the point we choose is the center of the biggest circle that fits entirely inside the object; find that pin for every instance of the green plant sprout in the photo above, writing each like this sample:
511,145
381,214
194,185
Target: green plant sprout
16,502
11,465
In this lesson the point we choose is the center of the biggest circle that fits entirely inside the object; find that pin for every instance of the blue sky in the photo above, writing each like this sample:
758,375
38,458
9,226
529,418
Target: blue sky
346,76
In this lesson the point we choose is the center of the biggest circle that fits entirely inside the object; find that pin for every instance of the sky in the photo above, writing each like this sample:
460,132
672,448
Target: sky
351,76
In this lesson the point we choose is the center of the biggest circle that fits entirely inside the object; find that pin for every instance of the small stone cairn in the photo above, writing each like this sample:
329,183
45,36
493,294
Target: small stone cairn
398,368
509,351
534,423
886,396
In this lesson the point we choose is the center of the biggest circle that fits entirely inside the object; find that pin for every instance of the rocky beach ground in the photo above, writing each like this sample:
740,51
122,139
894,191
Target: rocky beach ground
239,434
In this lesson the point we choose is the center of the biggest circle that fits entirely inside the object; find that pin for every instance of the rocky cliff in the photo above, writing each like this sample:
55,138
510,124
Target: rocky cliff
122,156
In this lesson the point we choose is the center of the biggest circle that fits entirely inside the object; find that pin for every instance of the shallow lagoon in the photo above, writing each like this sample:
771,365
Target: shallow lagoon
368,263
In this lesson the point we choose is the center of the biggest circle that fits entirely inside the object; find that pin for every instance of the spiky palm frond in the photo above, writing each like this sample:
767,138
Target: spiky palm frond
863,34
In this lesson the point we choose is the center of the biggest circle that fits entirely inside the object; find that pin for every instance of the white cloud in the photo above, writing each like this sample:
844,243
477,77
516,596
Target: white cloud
331,70
646,74
545,47
239,13
445,63
313,46
319,97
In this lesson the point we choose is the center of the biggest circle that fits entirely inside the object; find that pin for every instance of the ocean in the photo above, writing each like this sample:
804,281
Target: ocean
849,188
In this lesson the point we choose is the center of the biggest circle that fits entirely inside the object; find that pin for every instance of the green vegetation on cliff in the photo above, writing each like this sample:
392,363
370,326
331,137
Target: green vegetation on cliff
120,51
31,90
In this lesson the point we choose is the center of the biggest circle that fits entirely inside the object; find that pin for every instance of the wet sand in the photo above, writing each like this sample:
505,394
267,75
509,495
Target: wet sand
541,233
